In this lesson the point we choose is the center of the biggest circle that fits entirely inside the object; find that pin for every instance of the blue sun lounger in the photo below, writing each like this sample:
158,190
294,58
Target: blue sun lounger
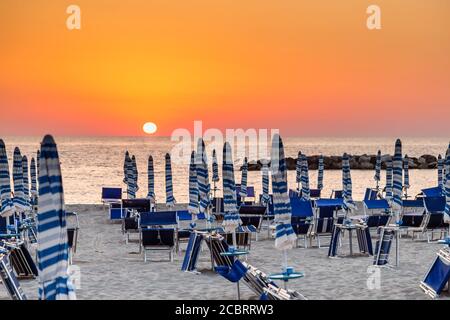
376,213
433,220
158,231
438,275
301,218
412,213
432,192
363,237
192,252
111,195
8,277
326,215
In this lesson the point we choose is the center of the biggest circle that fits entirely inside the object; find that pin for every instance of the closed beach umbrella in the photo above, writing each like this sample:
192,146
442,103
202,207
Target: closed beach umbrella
126,164
33,177
397,179
440,167
38,161
320,173
406,184
19,195
306,193
52,247
231,218
446,165
26,180
215,171
377,176
170,200
132,178
193,189
265,184
6,202
347,183
243,191
447,193
298,170
388,188
151,179
285,237
128,179
204,187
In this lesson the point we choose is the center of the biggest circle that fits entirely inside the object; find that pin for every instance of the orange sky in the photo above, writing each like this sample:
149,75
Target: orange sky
309,68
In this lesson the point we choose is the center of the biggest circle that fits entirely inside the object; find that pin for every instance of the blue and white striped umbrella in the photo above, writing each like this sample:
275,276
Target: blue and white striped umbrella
26,181
33,177
447,192
52,246
126,167
285,237
398,179
193,206
129,178
151,179
440,168
38,161
215,167
320,173
298,170
306,192
19,195
406,184
388,189
204,187
170,200
265,184
347,184
132,179
6,202
243,190
231,218
377,176
446,165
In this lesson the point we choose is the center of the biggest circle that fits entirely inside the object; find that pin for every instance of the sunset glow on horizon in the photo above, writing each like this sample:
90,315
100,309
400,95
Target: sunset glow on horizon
309,68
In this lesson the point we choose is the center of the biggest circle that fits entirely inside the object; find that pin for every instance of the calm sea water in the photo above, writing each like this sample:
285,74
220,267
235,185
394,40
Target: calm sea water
89,163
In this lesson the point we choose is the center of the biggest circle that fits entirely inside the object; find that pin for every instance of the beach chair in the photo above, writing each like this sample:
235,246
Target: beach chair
433,220
252,217
336,194
301,218
325,216
20,259
133,207
412,213
250,194
383,246
8,277
183,234
111,195
376,213
438,275
158,232
257,281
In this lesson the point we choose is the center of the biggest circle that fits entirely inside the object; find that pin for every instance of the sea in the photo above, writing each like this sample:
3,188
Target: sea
90,163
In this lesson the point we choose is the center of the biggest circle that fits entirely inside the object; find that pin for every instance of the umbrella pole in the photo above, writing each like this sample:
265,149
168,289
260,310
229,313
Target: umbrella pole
234,239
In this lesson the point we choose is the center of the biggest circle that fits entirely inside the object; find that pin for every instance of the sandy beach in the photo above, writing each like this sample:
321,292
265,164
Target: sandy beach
111,269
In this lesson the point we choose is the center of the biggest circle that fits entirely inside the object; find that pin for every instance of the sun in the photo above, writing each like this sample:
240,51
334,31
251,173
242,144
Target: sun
150,128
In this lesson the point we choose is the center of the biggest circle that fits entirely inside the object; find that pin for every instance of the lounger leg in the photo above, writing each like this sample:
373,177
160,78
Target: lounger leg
318,241
145,255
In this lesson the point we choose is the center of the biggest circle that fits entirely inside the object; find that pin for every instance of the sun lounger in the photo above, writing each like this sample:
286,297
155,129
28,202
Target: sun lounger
412,213
325,216
158,231
111,195
376,213
192,252
362,235
8,277
252,217
254,279
438,275
301,218
132,209
432,192
433,220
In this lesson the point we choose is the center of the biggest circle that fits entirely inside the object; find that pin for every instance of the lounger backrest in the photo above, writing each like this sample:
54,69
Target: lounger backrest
251,220
111,193
434,204
413,203
217,205
250,191
3,228
158,237
162,218
301,208
338,194
252,209
371,194
315,193
380,204
293,193
432,192
140,205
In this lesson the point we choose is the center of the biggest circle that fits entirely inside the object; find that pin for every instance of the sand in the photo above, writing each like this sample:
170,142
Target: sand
111,269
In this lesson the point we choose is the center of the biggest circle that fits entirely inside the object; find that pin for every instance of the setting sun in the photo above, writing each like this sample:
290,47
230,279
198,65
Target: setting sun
150,128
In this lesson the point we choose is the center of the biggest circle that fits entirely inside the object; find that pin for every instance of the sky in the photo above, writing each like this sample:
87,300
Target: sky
308,68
